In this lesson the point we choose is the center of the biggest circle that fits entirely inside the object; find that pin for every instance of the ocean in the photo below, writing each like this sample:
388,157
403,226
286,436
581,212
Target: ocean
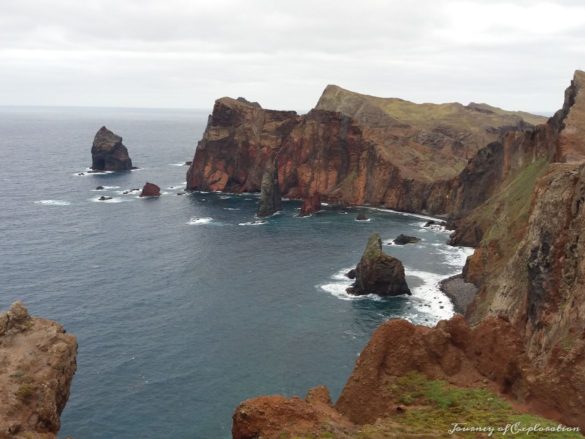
184,306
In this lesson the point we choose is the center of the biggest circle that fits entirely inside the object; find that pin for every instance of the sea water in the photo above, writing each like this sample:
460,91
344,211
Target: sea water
184,306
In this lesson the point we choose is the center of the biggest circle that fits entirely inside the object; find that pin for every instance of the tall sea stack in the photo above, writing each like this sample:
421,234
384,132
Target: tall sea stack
270,198
108,153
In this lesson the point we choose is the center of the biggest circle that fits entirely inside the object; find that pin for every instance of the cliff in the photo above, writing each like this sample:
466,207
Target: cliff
37,364
519,200
348,150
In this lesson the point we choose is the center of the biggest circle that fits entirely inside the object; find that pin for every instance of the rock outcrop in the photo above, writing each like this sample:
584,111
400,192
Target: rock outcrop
270,199
310,205
150,190
378,273
405,239
108,153
395,154
37,364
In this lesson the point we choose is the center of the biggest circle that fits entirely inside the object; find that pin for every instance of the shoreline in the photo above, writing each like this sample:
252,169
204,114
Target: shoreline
460,293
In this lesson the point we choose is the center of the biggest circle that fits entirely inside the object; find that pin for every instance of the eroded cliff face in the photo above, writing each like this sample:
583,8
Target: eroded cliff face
37,364
520,201
400,155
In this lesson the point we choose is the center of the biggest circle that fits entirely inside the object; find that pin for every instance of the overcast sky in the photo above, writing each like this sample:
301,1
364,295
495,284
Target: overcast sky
517,54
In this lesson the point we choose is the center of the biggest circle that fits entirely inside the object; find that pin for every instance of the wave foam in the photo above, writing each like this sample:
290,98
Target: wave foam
253,223
53,202
199,221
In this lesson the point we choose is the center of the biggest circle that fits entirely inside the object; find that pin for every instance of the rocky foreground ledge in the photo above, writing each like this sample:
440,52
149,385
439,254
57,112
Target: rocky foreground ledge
37,364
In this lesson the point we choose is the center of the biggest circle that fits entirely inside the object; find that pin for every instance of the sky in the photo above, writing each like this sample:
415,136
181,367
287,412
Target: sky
515,54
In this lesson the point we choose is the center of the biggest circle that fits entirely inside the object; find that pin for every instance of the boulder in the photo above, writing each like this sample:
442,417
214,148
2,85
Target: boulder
405,239
311,205
108,153
361,217
150,190
270,198
378,273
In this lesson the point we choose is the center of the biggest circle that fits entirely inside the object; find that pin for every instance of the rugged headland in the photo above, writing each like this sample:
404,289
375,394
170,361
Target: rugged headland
37,364
512,185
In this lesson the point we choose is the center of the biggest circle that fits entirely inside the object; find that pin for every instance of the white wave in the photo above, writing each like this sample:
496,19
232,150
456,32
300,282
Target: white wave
367,220
110,200
53,202
225,197
178,164
339,290
253,223
324,204
128,191
89,172
106,188
428,297
199,221
414,215
456,257
231,208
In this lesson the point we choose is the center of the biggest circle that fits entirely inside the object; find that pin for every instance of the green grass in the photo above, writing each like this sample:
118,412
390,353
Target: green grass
433,407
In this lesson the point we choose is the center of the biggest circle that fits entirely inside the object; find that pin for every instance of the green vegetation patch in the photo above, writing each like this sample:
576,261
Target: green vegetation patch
435,408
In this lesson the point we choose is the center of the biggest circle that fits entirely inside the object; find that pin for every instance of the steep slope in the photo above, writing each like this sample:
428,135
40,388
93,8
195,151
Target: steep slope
37,364
367,157
521,201
427,142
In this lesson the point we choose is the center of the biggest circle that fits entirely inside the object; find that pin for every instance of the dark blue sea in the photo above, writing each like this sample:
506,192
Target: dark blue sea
185,305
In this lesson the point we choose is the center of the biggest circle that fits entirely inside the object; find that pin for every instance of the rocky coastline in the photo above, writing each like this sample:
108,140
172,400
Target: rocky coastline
517,200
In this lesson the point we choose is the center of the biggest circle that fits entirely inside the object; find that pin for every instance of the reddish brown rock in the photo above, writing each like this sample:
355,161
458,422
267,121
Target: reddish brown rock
38,361
310,205
345,157
108,153
274,417
150,190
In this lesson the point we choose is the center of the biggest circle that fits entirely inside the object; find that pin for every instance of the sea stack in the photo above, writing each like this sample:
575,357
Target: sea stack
108,153
311,205
150,190
378,273
270,198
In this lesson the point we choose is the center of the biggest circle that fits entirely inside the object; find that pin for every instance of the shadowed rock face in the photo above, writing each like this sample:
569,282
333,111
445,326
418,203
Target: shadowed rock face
378,273
270,199
108,153
37,364
310,205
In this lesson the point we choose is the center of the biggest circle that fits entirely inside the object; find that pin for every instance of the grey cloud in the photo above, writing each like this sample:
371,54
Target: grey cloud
181,53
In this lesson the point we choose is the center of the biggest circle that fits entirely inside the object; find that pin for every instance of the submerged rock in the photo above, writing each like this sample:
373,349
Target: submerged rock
310,205
104,198
99,188
270,198
405,239
108,153
150,190
378,273
361,217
